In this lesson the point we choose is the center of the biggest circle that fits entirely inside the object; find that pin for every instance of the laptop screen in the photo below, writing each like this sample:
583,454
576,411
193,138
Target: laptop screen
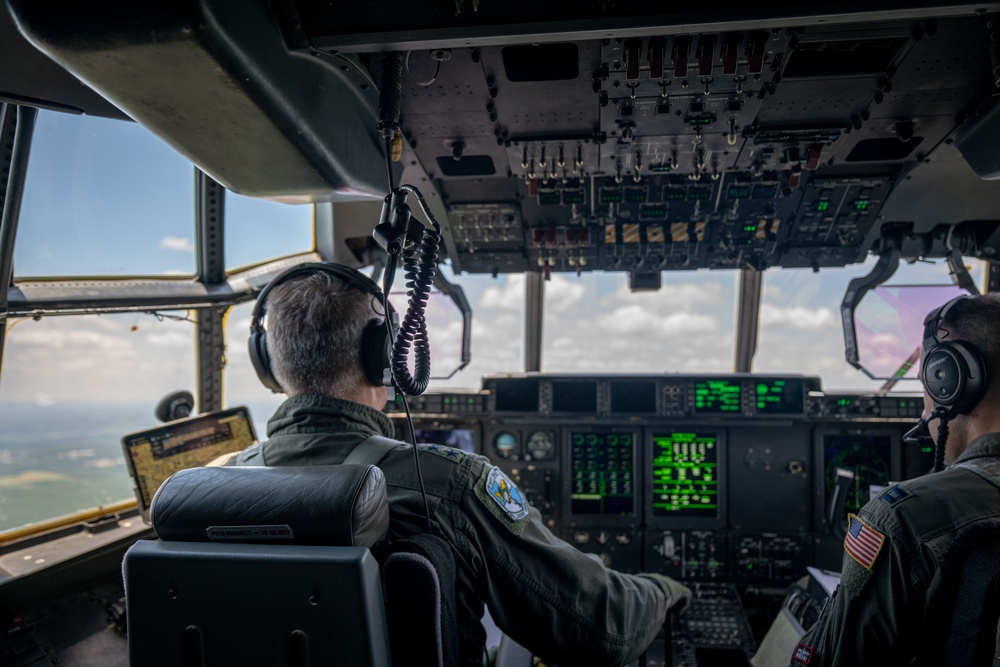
155,454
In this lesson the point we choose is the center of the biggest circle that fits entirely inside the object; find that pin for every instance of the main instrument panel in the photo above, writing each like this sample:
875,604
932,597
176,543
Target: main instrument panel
714,478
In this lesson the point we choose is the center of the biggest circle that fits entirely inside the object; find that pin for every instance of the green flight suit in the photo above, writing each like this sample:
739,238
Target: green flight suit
883,615
562,605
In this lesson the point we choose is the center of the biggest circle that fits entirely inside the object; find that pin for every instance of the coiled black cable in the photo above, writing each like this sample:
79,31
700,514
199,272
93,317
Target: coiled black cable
419,265
942,442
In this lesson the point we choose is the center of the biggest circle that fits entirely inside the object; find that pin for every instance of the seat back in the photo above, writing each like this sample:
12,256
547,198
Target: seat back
422,568
198,604
262,566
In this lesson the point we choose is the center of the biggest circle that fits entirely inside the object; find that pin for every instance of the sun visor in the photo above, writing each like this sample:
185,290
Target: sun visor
230,85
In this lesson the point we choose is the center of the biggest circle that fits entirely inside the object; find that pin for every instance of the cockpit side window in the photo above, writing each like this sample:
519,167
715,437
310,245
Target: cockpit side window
71,387
104,198
258,230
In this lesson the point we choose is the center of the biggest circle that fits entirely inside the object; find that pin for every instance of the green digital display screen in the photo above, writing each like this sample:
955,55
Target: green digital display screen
716,397
779,397
822,205
602,468
685,477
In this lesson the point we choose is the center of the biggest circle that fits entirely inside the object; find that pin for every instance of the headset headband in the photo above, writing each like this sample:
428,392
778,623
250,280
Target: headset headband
934,319
347,274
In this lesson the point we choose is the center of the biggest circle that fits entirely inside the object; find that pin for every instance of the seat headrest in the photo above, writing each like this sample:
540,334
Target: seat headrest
344,505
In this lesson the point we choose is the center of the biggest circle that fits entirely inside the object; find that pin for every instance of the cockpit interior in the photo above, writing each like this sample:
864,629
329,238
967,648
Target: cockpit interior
655,141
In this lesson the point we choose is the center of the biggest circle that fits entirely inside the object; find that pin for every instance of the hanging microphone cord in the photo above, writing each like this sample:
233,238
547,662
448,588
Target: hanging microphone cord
419,255
942,441
420,263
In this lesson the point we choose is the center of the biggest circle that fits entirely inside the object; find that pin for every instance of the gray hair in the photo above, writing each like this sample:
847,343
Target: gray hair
314,326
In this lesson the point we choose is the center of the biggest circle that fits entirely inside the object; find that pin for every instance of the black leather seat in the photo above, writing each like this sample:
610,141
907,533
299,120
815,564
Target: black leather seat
272,566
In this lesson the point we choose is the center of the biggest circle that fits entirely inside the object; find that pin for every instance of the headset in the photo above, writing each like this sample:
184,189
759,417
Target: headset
375,338
953,372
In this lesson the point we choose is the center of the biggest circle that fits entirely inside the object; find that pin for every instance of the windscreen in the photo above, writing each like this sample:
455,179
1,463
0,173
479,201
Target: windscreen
889,324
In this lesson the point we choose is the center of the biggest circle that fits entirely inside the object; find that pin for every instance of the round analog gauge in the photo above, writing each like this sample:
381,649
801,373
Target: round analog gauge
542,445
505,445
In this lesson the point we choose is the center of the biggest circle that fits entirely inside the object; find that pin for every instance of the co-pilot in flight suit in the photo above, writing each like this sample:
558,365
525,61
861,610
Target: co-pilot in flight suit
544,593
893,598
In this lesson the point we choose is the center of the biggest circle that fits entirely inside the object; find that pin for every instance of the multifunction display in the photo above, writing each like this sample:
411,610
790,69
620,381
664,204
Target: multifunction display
685,481
602,473
717,397
778,397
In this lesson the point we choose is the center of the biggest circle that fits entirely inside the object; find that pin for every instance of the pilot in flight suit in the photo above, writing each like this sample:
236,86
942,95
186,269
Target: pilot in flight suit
894,600
562,605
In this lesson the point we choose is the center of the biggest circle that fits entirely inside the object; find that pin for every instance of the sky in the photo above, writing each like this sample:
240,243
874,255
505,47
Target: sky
107,198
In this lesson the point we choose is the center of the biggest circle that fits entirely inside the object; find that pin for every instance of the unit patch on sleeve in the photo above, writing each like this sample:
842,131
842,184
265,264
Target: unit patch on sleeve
895,495
862,542
502,497
803,654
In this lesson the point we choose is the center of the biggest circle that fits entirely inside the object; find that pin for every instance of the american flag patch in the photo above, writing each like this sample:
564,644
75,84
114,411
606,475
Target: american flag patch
862,542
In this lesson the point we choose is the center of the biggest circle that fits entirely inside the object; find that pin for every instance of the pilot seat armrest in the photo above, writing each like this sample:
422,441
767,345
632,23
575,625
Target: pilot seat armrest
344,505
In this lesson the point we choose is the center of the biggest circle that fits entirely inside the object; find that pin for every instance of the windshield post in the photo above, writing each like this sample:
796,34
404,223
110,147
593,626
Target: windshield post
747,318
534,306
22,121
210,200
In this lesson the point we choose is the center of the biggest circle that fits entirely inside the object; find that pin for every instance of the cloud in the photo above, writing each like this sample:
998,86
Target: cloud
634,319
97,358
561,294
509,295
170,339
178,243
32,477
798,317
105,462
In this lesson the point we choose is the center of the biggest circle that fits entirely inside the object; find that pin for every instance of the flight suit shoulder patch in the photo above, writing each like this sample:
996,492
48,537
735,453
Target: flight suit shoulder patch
502,498
863,543
895,495
443,451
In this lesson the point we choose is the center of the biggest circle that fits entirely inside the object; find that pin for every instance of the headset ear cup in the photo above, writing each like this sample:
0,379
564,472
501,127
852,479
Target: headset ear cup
261,360
954,375
375,351
942,376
